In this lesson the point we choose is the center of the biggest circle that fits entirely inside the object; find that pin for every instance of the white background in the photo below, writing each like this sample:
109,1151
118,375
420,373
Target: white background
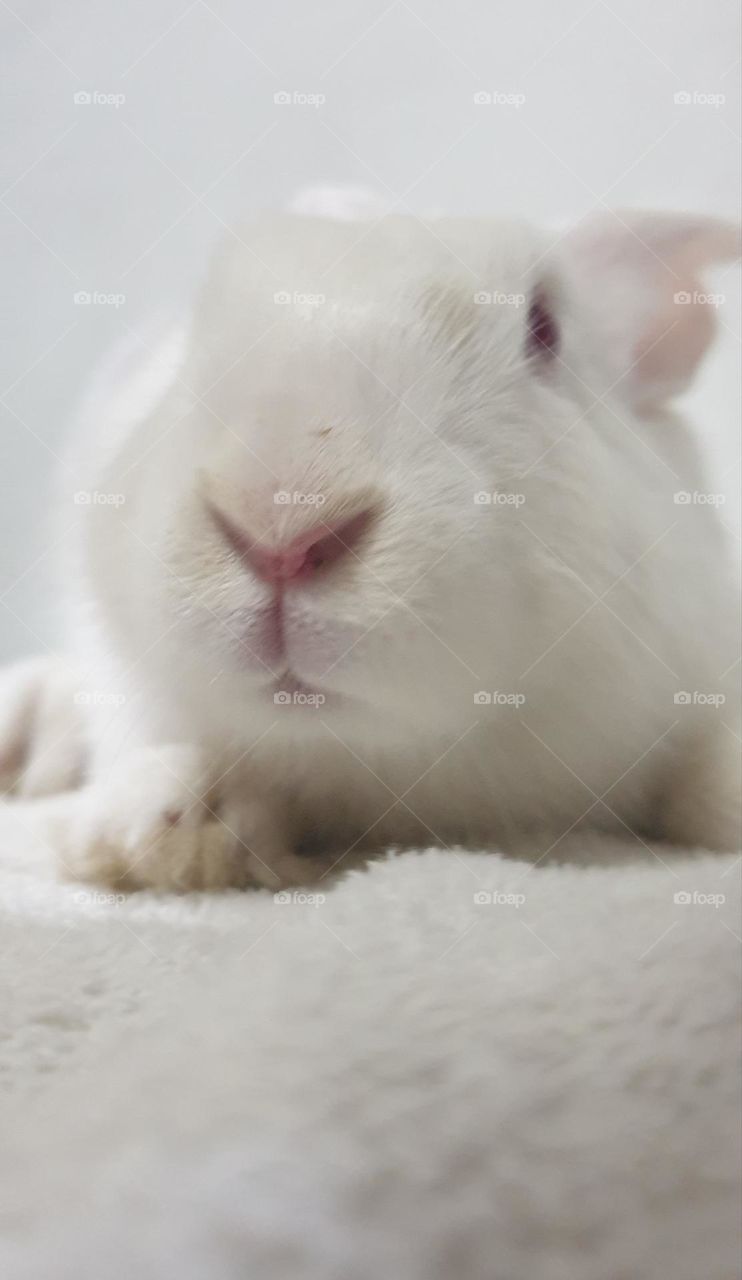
129,199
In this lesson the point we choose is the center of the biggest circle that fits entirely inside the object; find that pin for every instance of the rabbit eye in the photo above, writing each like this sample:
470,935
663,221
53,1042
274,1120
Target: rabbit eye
543,330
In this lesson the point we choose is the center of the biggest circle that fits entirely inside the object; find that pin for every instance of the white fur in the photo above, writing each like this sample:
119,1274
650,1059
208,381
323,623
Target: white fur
396,1081
592,594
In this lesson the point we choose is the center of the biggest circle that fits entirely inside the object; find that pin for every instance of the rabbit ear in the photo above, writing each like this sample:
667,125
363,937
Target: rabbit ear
640,283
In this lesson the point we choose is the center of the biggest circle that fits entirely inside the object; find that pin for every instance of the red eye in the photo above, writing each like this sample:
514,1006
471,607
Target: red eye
543,330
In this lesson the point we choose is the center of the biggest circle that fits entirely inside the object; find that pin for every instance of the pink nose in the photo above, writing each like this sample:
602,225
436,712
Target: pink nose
300,558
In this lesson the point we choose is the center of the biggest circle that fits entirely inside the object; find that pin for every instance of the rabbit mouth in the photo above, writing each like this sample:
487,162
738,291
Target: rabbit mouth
286,640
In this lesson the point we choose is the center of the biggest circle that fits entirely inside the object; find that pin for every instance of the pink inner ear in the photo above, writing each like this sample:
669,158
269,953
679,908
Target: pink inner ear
670,350
641,280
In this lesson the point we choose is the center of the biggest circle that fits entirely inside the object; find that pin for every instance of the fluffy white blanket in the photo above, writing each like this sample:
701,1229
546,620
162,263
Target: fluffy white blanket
402,1081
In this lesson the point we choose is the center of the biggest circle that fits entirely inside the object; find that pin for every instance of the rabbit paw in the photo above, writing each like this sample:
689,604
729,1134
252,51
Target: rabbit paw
42,738
153,825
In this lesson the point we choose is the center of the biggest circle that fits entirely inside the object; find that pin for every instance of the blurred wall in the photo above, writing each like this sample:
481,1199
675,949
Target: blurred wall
135,131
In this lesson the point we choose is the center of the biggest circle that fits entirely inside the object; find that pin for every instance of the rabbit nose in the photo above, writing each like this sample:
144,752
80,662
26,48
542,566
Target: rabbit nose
301,557
318,548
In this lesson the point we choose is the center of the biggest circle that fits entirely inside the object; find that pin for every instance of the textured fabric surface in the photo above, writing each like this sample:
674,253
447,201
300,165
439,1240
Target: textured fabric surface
400,1081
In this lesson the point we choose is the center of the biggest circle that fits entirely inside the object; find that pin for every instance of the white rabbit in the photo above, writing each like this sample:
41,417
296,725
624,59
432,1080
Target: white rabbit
396,543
